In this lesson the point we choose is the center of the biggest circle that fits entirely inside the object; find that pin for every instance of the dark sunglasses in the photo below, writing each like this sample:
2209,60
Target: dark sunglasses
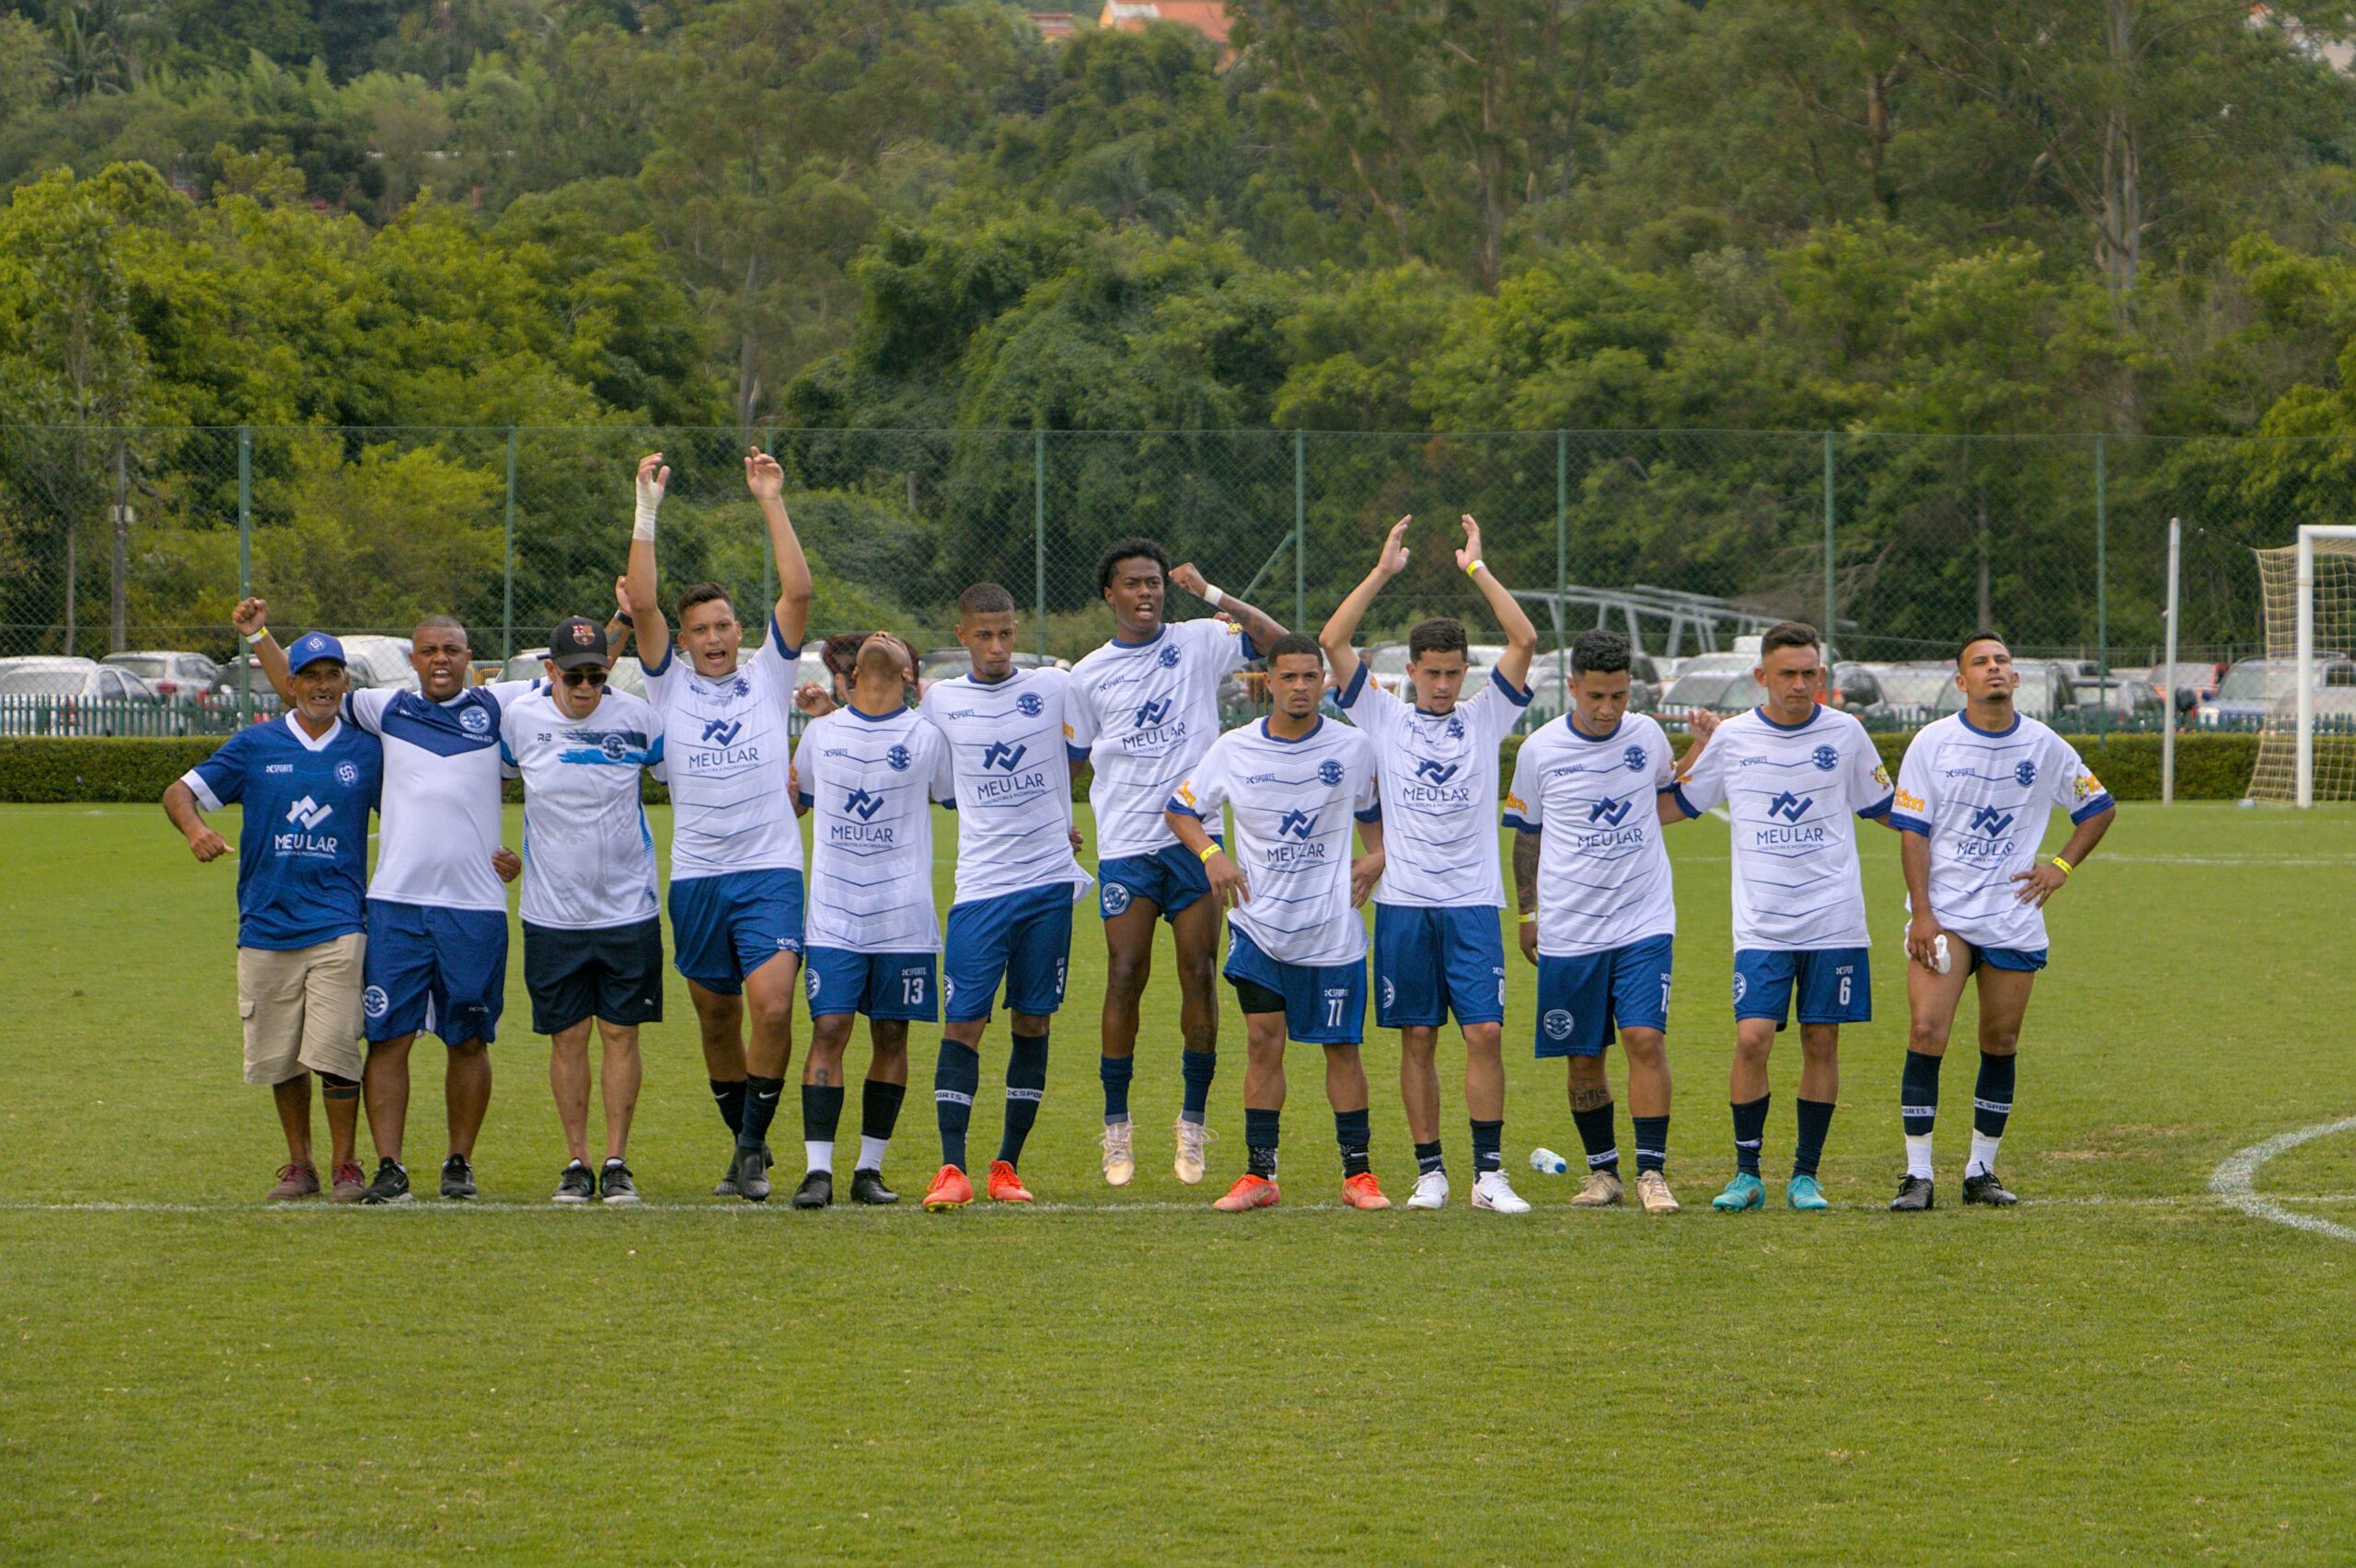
584,678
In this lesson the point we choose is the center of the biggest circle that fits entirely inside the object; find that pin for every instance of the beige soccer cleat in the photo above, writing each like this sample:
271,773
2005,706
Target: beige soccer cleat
1652,1192
1192,1136
1120,1156
1602,1191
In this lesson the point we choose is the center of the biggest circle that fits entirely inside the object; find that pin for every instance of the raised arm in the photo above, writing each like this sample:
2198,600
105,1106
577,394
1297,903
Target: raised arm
766,479
252,616
1342,627
618,629
1256,623
638,586
1522,637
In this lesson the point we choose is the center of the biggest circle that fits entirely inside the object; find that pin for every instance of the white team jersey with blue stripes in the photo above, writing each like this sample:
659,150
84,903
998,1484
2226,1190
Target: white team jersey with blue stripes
1296,803
724,741
1603,877
1981,798
588,855
1007,742
1439,792
441,813
1152,711
870,783
1792,790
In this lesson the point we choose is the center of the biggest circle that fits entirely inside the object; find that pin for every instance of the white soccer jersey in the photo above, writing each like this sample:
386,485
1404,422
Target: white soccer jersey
1603,878
1439,792
870,783
724,745
1791,789
1294,803
588,855
1152,709
1981,799
440,818
1008,743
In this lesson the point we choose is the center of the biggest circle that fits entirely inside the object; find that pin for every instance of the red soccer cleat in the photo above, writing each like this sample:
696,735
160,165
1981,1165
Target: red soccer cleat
1363,1192
949,1190
1005,1186
1249,1193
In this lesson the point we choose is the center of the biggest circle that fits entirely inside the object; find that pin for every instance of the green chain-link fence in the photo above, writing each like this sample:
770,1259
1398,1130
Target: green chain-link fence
144,538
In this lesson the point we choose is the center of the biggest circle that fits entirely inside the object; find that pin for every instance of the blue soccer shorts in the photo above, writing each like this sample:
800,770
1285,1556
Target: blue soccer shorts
440,970
1172,878
723,928
1583,1000
895,987
1024,938
1430,963
1323,1004
1835,985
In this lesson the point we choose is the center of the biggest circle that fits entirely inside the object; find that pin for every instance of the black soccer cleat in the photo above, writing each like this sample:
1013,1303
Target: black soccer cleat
614,1185
1913,1195
817,1190
391,1185
726,1186
576,1185
753,1174
457,1179
867,1187
1989,1189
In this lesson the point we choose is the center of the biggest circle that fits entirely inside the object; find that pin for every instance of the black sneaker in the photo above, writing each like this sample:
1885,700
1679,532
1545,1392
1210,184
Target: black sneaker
867,1187
614,1185
726,1186
1989,1189
457,1179
391,1185
817,1190
1913,1195
575,1187
752,1174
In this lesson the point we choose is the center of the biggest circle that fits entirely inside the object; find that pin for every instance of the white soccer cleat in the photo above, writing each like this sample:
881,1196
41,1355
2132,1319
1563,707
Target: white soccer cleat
1120,1160
1192,1136
1431,1191
1652,1192
1493,1192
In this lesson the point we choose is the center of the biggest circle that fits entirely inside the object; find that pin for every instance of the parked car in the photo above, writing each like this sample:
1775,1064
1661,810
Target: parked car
373,661
189,675
629,674
2045,692
82,696
1714,687
2254,689
1548,695
2188,683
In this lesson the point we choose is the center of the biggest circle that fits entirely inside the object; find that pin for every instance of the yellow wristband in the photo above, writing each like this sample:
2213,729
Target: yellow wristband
2066,867
1208,850
253,639
1475,569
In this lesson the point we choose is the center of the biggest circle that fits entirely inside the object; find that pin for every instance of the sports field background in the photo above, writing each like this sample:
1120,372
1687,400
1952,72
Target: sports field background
2119,1368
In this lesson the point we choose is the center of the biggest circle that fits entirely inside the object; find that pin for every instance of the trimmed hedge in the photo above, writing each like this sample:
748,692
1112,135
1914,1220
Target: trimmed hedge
50,769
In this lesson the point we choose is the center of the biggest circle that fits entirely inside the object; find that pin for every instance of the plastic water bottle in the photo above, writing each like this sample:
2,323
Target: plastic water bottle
1547,1162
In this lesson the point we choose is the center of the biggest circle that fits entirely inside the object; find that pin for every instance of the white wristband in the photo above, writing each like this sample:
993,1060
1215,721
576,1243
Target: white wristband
644,527
1212,596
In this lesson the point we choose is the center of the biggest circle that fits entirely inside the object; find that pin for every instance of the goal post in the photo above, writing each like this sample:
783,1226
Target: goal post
2306,747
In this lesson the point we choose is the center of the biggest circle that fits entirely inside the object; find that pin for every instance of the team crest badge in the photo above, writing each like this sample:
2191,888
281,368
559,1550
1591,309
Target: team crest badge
809,982
475,722
1826,757
613,747
898,759
1633,758
1455,728
1030,704
1115,898
741,687
1169,657
1390,992
2025,774
1330,771
1742,987
1557,1023
346,774
373,1002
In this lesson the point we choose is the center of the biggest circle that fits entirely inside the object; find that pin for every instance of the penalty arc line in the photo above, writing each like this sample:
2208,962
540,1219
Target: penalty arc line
2235,1182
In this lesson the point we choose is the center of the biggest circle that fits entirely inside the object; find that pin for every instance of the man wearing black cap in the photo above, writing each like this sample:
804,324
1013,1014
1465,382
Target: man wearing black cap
593,945
307,783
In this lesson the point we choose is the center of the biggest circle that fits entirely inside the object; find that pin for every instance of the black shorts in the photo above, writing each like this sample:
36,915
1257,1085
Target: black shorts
615,973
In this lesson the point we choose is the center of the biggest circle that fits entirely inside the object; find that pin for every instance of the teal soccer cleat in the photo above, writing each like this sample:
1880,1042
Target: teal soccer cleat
1745,1192
1803,1193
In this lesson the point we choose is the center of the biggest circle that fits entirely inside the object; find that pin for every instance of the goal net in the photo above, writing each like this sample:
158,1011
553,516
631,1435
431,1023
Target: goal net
2302,693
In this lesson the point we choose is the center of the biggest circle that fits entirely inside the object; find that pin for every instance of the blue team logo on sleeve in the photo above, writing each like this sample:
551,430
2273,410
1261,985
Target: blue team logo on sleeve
1330,771
2025,774
346,774
897,758
1633,757
1826,757
1030,704
1169,656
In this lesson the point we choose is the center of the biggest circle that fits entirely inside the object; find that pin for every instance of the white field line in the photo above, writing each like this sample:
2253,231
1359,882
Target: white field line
2235,1182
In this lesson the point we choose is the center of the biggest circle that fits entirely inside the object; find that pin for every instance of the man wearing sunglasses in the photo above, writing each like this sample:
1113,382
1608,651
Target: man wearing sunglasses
593,944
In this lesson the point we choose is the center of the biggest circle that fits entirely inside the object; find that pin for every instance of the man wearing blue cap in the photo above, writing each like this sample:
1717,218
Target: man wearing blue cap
307,781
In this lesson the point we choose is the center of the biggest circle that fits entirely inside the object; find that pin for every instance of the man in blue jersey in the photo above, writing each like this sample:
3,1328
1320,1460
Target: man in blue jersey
736,848
1974,792
1437,946
307,783
437,915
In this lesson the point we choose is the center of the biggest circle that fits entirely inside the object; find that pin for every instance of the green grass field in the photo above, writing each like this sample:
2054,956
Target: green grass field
2121,1368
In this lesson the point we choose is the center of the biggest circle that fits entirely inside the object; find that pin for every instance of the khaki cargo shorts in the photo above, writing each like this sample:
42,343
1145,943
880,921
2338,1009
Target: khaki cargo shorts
301,1009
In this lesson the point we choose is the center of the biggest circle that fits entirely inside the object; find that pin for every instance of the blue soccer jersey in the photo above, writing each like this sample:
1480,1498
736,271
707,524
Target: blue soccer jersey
303,857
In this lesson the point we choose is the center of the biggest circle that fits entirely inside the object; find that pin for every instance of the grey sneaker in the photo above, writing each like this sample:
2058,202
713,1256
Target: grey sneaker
726,1186
752,1175
575,1187
391,1185
457,1179
614,1185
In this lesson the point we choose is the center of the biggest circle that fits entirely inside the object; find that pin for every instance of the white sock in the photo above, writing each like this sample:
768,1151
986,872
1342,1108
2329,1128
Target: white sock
1918,1155
871,1152
820,1156
1983,1155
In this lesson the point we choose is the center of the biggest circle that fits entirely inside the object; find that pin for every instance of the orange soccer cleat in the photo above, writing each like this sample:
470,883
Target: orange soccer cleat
949,1190
1005,1186
1249,1193
1363,1192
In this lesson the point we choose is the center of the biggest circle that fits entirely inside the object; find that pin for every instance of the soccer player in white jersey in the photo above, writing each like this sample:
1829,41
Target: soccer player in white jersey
1438,945
867,773
437,956
1296,950
592,935
1013,735
1973,793
1792,774
1152,699
1590,797
735,846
